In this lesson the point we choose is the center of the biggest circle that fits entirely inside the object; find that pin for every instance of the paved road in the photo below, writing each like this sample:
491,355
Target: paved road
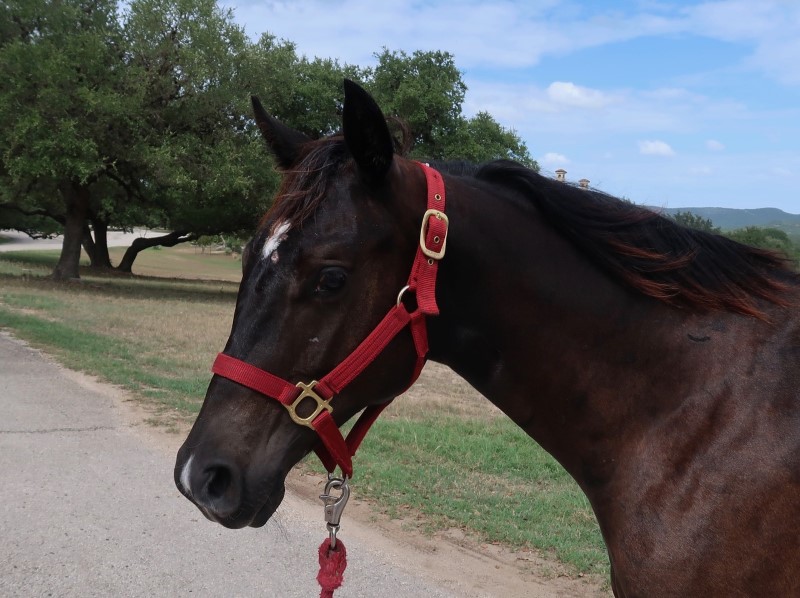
88,508
14,241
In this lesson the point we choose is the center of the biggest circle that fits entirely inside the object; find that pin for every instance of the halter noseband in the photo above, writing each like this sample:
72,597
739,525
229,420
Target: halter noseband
335,450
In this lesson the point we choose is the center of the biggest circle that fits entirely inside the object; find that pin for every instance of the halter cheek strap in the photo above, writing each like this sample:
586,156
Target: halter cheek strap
335,449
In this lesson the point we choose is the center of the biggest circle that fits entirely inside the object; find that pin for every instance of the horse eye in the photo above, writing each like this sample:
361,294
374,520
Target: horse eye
331,280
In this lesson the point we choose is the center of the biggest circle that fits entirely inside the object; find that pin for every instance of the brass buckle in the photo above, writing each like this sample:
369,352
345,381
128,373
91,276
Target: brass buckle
308,393
423,232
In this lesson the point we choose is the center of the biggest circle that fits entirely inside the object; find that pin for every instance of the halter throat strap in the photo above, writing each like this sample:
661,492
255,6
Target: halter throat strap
335,449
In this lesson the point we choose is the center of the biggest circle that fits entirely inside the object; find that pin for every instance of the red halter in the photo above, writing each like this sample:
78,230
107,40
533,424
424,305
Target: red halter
335,450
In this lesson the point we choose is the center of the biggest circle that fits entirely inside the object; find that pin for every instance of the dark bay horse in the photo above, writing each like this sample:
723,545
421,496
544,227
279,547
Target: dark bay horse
659,365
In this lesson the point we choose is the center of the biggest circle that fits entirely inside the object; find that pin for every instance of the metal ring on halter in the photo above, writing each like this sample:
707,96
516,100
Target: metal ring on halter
401,293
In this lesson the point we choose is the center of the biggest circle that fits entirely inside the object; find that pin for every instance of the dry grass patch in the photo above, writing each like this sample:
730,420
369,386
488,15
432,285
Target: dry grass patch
440,391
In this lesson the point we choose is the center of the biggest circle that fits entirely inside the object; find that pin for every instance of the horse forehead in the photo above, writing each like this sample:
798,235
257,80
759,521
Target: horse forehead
278,234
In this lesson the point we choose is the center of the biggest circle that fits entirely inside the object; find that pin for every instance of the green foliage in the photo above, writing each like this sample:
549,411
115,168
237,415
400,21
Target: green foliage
767,238
481,139
140,116
692,220
733,218
305,94
764,237
203,162
63,100
426,92
229,244
34,225
143,113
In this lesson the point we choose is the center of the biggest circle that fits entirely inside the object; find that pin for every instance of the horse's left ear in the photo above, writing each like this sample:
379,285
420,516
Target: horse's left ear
284,142
366,133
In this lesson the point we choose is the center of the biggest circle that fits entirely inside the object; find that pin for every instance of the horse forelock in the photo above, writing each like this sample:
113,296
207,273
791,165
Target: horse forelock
304,186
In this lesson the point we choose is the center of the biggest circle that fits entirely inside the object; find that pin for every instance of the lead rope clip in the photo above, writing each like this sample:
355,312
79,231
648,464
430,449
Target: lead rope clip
334,504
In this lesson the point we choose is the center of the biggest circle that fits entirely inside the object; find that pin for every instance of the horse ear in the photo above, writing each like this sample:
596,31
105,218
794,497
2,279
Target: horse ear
366,133
284,142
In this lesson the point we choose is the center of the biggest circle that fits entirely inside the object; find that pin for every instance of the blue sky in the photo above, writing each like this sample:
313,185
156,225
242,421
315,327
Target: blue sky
669,103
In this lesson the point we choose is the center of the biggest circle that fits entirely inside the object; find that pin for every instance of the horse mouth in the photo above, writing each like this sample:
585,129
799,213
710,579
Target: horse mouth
247,517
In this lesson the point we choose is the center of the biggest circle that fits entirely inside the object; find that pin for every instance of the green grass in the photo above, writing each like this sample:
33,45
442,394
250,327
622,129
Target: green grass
154,337
485,477
439,467
28,262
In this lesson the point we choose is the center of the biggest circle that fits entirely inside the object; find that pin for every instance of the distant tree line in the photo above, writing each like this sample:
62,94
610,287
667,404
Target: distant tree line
118,116
764,237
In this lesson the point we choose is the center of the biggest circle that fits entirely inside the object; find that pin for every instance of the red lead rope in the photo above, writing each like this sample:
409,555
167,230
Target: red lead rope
332,563
335,450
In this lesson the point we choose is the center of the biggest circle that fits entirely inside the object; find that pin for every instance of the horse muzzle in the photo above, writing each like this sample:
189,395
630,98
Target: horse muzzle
220,490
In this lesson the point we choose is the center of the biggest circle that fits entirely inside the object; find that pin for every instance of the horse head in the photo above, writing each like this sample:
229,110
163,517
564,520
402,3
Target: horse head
323,268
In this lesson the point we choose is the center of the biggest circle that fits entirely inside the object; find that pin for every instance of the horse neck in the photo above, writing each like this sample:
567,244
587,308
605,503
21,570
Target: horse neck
568,354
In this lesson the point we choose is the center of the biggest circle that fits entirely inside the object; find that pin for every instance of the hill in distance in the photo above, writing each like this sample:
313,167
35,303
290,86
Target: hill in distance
732,218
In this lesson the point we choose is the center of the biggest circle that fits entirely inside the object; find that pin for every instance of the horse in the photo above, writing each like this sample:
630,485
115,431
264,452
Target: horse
658,364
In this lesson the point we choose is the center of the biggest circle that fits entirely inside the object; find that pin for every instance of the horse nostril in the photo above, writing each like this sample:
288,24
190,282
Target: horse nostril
218,480
216,487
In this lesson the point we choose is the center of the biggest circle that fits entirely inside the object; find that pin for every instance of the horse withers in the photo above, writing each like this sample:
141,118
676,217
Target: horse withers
660,365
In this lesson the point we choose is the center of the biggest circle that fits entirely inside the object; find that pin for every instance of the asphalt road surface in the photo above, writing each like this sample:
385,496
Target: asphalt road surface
88,508
14,241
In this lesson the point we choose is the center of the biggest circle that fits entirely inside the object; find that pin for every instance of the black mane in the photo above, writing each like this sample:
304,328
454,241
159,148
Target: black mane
641,248
650,252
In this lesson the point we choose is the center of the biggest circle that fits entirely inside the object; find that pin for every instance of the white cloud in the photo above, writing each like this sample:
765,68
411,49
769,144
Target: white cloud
554,159
655,148
530,31
714,145
569,94
701,170
329,29
581,111
780,171
769,29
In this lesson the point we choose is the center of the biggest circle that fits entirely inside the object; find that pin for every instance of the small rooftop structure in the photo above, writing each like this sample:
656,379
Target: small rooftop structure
584,183
561,175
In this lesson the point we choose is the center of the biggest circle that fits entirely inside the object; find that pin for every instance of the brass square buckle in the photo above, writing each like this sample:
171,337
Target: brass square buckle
436,255
308,392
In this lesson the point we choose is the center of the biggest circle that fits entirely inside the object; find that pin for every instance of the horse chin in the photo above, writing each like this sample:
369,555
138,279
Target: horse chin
269,508
244,519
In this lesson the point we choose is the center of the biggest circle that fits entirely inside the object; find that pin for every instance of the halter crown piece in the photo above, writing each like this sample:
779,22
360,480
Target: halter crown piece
335,449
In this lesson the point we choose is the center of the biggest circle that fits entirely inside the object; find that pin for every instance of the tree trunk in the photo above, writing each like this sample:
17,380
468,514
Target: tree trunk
76,197
88,243
97,248
101,243
140,244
